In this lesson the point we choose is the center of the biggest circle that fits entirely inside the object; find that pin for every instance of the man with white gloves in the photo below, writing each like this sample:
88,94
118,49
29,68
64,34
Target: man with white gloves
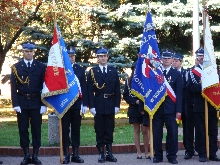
73,115
104,103
27,79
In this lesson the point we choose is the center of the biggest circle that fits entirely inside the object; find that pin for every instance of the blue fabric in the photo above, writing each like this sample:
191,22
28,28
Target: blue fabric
148,80
62,102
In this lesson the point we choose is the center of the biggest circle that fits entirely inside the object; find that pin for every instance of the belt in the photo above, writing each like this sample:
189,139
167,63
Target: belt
105,95
28,95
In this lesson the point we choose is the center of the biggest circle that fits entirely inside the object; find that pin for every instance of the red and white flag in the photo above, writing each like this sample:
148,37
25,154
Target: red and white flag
55,81
209,75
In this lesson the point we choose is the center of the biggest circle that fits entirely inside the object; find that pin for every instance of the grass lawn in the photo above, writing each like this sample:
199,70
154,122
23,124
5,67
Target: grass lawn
123,134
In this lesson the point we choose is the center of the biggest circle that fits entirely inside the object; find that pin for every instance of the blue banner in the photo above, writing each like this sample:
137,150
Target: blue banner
148,81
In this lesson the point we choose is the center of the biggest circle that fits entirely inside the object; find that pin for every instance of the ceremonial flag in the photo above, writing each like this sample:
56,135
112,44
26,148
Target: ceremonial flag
61,87
209,75
148,81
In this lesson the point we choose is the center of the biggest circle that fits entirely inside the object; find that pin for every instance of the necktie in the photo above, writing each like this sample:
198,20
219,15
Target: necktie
165,72
29,64
104,71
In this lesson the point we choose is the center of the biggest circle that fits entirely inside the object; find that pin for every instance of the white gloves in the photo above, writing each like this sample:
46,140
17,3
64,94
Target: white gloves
93,112
84,109
43,109
116,110
17,109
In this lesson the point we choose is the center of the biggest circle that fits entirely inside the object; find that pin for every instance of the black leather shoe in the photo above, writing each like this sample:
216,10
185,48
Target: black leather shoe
202,159
214,158
157,160
101,158
109,157
66,159
26,160
35,160
173,161
187,156
77,159
1,162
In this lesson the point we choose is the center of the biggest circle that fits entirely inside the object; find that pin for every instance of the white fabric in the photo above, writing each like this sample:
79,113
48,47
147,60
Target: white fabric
116,110
17,109
209,73
43,109
93,112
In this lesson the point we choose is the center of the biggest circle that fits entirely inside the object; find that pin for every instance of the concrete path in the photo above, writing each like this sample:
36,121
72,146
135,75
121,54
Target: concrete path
123,159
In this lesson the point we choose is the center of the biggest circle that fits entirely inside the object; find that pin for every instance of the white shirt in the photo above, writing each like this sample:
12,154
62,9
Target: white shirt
26,62
101,67
167,69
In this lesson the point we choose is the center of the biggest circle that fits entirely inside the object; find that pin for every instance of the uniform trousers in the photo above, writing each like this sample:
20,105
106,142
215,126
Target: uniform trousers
172,135
104,128
35,118
71,118
189,132
200,135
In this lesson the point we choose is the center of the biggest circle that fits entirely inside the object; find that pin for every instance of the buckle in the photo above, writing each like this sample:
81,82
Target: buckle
105,96
28,96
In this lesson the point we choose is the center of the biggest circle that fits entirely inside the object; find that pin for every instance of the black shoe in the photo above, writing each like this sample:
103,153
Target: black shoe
77,159
173,161
214,158
66,159
109,157
139,157
202,159
35,160
187,156
157,160
101,158
26,160
1,162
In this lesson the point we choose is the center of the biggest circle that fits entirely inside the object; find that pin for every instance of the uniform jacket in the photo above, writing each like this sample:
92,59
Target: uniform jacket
133,108
36,78
195,87
168,106
110,84
80,74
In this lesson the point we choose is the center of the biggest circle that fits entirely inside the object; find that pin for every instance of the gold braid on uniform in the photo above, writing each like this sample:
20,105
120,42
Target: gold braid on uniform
95,83
18,78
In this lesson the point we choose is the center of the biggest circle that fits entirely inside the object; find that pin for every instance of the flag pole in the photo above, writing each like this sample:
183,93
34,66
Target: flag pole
60,121
151,120
206,104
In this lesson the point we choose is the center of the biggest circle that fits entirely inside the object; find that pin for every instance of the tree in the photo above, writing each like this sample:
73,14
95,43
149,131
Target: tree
15,15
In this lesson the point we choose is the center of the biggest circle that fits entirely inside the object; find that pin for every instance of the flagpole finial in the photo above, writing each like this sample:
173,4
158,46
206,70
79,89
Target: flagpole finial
54,11
148,3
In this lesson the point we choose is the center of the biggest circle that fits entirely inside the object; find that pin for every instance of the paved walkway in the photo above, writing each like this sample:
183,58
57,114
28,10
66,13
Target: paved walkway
123,159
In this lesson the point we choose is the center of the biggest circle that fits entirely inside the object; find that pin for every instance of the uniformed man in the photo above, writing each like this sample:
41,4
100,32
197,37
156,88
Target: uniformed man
177,64
199,112
104,103
27,79
168,112
73,116
190,117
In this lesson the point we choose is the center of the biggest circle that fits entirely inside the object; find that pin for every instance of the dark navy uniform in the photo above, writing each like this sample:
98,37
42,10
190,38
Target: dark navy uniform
72,116
189,117
199,111
26,86
167,114
28,97
104,96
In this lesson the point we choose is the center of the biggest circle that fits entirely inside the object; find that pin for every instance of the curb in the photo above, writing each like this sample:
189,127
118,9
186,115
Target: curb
83,150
